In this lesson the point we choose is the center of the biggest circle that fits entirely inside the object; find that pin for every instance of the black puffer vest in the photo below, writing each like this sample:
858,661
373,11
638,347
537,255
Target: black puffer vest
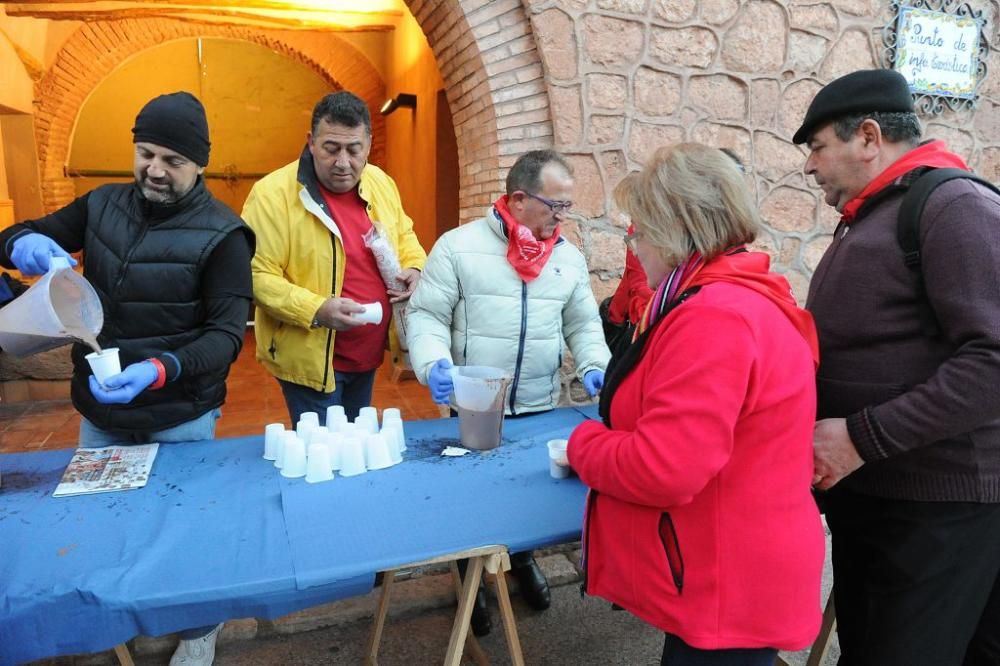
145,261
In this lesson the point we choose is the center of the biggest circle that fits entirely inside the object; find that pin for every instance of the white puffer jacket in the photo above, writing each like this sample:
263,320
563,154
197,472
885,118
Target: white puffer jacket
472,308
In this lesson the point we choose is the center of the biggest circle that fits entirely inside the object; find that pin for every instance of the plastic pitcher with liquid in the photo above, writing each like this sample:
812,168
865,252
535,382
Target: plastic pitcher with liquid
59,308
480,394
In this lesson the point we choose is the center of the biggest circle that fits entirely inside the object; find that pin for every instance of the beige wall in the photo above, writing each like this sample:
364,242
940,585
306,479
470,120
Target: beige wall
411,135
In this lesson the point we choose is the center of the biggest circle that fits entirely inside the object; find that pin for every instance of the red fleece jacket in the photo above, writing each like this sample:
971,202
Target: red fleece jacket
700,520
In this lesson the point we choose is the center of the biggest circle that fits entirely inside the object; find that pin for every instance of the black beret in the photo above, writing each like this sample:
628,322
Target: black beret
864,91
175,121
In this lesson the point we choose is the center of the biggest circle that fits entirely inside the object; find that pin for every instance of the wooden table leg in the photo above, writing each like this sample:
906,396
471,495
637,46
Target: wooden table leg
463,615
817,654
506,611
472,647
124,658
388,578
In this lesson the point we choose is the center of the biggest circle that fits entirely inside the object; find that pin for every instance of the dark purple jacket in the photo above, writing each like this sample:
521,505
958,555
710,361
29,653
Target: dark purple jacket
922,409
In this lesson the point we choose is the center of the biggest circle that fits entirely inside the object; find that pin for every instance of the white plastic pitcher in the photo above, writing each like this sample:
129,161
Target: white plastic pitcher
60,307
478,387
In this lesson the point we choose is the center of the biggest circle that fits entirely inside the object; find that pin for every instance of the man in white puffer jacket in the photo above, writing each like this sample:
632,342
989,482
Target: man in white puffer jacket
507,291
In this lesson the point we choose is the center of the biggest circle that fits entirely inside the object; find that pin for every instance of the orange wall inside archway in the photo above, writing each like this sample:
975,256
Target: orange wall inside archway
258,103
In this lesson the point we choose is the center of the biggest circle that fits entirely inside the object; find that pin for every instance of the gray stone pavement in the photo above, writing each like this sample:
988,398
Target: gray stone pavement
574,630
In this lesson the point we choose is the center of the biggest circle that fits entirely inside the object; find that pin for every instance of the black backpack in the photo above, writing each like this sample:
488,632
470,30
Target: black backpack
908,224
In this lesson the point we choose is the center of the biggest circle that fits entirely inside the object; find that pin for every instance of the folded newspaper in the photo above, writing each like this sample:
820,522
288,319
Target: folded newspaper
107,469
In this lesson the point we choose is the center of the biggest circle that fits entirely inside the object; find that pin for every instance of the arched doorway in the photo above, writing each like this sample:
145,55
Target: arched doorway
258,102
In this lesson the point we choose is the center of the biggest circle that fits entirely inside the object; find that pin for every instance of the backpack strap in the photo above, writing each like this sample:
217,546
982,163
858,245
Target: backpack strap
911,211
912,208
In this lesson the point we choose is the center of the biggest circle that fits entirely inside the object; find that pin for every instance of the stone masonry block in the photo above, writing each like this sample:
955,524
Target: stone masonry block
683,47
757,40
612,42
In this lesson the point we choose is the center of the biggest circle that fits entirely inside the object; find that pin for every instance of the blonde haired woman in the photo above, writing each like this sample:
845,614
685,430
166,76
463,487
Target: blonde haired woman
700,519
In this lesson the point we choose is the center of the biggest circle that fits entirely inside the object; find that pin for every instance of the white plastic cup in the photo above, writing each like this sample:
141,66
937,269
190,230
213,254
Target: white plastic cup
335,444
391,432
395,426
104,364
369,412
333,414
283,441
309,417
372,313
319,433
318,466
303,429
377,454
352,457
272,436
390,413
295,459
558,462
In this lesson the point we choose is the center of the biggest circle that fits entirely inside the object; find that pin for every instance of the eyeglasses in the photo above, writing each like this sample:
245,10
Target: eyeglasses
555,206
632,241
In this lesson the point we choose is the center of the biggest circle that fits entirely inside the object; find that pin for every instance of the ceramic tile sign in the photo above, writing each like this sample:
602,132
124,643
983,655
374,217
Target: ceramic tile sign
937,52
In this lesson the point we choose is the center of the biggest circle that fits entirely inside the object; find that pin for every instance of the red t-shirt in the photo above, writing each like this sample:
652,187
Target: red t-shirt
362,348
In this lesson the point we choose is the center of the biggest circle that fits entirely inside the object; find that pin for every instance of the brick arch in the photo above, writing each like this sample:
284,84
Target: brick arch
97,48
495,84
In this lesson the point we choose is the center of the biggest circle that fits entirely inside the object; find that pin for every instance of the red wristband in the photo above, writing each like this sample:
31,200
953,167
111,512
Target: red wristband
161,374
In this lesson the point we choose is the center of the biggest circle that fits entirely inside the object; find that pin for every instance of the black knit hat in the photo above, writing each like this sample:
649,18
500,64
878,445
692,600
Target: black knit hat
176,121
864,91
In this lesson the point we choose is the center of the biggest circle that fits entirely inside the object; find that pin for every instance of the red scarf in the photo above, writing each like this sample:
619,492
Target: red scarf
747,269
525,253
930,154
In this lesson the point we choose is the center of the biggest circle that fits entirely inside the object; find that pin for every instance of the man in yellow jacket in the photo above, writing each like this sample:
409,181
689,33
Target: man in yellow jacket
313,271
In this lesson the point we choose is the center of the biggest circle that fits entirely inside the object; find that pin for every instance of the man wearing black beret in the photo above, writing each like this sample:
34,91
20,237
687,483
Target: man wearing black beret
171,265
907,442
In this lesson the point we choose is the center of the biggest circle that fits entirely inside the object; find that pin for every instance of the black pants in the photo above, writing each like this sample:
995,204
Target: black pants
915,583
678,653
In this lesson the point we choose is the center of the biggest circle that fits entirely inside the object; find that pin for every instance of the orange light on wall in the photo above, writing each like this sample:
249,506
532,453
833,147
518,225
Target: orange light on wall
402,100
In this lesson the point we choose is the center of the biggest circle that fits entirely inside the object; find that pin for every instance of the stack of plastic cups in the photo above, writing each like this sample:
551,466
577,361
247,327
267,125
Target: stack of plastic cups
286,437
392,417
377,452
352,456
304,427
318,465
336,422
318,432
272,440
392,434
368,419
295,459
318,438
335,443
334,413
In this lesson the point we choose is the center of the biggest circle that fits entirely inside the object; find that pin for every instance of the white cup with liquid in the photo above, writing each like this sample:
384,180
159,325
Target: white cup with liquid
104,364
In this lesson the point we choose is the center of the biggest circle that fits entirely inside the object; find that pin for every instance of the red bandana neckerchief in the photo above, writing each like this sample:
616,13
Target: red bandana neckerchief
930,154
735,266
525,253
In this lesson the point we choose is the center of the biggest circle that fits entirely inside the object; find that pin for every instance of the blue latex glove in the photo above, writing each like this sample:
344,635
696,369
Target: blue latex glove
439,381
122,388
32,252
593,381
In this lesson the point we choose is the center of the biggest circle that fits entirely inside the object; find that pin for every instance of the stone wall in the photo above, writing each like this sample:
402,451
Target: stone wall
626,76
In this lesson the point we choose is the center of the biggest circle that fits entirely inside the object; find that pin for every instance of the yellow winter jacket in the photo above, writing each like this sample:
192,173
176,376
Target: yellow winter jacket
298,248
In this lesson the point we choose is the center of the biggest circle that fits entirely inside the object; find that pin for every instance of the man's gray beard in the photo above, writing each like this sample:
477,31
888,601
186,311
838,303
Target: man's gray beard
155,196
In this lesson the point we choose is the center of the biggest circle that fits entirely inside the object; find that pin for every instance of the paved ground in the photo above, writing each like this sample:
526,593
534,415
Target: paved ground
574,630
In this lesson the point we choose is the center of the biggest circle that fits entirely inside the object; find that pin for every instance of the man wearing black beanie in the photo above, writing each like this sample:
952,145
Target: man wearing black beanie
907,445
171,265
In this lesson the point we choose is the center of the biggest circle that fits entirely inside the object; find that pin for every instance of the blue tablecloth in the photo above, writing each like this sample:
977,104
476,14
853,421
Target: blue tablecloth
218,534
434,505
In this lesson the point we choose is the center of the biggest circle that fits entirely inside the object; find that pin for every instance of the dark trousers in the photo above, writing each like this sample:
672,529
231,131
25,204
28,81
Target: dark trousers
915,583
678,653
353,391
